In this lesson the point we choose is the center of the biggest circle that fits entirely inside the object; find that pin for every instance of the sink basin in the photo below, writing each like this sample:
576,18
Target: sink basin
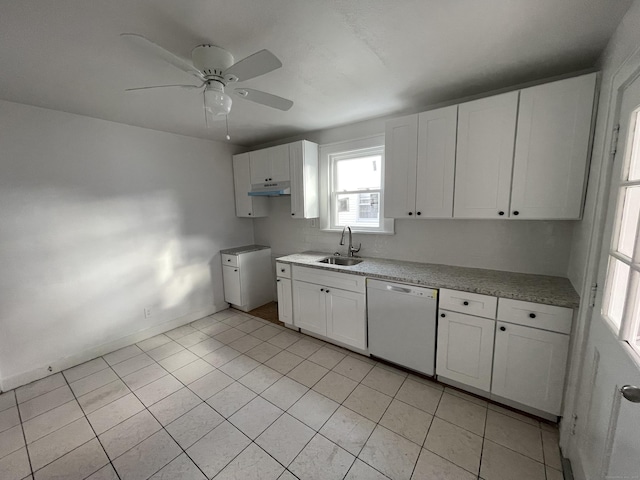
344,261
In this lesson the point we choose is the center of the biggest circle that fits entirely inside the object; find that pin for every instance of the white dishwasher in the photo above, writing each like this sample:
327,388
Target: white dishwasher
402,324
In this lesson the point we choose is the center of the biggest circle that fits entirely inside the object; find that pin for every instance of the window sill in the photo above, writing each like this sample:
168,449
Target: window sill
360,232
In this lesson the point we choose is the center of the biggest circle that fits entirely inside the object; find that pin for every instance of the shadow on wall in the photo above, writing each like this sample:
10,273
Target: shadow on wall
78,271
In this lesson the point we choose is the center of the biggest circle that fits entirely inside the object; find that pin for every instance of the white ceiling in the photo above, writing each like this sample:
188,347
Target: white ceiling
344,60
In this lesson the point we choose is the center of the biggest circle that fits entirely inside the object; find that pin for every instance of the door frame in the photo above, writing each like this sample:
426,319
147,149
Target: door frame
628,71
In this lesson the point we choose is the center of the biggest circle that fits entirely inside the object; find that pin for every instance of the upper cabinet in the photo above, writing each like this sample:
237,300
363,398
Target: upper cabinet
419,164
270,164
296,163
552,147
246,206
518,155
486,134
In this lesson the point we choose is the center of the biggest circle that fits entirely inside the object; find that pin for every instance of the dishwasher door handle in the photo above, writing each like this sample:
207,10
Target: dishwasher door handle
398,289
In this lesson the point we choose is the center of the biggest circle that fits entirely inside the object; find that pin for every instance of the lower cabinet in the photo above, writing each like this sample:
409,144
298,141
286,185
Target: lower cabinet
331,312
232,285
285,300
529,366
465,349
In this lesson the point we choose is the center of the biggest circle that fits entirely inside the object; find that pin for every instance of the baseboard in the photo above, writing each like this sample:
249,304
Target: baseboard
61,364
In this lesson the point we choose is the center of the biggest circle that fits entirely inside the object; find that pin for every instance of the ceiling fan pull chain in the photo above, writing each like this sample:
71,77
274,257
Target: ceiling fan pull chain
226,119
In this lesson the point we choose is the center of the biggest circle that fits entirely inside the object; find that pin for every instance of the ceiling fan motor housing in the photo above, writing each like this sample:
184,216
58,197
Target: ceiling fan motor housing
212,61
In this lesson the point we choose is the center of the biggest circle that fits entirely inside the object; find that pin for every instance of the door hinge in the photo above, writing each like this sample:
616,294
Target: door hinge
574,423
593,294
614,140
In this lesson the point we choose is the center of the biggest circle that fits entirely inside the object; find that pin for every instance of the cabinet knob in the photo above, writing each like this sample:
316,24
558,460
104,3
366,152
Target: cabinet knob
410,213
293,214
322,289
326,291
235,270
465,303
501,213
516,212
532,315
442,315
249,213
278,280
502,329
228,259
418,213
282,270
270,179
266,179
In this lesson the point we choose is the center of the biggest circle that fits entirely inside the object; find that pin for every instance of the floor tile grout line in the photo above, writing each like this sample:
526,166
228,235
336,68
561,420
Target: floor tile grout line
94,433
24,437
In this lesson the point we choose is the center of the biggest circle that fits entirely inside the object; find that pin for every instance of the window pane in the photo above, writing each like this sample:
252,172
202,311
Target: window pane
617,280
629,222
635,338
634,166
358,209
358,173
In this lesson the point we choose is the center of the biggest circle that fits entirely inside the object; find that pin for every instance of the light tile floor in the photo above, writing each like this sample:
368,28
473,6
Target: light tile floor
234,397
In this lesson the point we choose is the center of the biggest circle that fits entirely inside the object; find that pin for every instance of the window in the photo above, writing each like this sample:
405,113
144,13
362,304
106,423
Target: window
621,305
353,186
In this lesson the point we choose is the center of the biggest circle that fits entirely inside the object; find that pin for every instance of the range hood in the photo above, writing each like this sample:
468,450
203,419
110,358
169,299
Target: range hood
270,189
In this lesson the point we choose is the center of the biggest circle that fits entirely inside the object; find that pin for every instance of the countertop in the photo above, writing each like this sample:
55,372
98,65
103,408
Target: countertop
544,289
245,249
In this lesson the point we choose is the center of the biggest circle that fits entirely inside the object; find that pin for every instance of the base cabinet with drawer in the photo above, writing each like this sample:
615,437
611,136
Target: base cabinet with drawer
285,295
330,304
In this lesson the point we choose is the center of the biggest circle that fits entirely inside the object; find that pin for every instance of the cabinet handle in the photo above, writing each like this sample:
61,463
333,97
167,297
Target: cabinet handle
418,213
532,315
465,303
502,329
442,315
410,213
516,212
500,212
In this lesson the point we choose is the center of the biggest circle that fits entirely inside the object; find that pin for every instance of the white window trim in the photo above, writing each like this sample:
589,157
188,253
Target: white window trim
325,152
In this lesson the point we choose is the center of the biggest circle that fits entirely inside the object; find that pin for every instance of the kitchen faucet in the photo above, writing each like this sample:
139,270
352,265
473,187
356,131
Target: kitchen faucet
352,249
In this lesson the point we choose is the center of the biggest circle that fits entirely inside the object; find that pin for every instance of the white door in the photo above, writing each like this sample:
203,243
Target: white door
484,156
309,307
285,303
529,366
465,349
436,162
279,163
232,285
552,147
346,317
607,443
400,150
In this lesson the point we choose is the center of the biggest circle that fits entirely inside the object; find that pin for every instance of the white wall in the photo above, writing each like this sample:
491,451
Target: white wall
622,45
519,246
97,221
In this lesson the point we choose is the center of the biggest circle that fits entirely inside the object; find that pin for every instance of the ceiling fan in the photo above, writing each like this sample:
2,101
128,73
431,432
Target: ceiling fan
215,68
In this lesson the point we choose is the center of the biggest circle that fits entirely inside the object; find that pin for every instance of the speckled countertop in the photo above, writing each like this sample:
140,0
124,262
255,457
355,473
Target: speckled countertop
545,289
245,249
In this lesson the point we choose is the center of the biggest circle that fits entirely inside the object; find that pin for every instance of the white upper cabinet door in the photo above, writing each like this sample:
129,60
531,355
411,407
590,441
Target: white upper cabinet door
303,167
246,206
465,349
436,162
310,307
484,156
270,164
346,317
552,146
400,157
529,366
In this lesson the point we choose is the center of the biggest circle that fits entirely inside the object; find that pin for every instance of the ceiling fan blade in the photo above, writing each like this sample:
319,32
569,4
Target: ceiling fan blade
166,55
189,87
254,65
264,98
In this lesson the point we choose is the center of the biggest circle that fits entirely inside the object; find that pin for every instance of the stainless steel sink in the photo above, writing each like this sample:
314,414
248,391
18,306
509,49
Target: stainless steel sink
344,261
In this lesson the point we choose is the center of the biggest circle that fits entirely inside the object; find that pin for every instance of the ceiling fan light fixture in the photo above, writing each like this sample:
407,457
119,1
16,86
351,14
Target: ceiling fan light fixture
216,102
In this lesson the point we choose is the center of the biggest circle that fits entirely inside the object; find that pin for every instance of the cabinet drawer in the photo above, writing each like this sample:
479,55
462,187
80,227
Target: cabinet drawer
344,281
471,303
545,317
283,270
231,260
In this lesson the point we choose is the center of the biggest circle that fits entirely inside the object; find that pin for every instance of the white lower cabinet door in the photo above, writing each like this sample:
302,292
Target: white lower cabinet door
309,307
232,285
285,304
465,349
529,366
346,317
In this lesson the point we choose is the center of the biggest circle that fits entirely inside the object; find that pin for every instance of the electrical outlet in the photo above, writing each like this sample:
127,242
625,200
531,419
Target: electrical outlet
147,312
313,223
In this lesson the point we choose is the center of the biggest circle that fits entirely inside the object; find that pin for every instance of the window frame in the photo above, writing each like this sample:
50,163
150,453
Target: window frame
329,154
